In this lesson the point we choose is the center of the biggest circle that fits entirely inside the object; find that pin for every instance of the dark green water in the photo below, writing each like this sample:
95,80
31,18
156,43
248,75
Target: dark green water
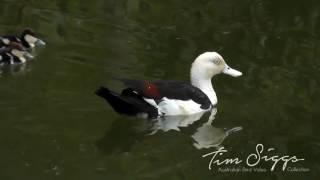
52,126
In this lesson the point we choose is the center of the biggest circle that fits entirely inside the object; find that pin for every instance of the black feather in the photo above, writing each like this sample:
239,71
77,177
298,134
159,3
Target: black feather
171,90
128,102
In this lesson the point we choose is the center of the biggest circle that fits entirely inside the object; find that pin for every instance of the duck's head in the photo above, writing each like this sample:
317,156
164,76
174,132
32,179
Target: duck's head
209,64
30,39
19,51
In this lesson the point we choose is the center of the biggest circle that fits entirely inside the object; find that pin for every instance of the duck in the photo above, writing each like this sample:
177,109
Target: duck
27,39
156,98
14,53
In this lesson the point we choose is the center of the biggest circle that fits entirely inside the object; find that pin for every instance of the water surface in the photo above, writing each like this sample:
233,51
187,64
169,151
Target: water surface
54,127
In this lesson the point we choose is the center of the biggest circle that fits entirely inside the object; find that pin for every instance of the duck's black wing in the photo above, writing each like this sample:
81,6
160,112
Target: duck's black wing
159,89
127,102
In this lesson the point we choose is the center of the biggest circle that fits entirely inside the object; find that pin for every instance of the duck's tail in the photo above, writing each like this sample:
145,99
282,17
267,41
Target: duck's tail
103,92
126,103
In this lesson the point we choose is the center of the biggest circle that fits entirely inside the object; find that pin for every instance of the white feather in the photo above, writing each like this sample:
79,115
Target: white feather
5,41
174,107
151,102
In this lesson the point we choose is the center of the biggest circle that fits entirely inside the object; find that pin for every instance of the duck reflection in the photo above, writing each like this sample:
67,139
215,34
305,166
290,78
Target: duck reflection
122,135
125,133
168,123
16,69
208,136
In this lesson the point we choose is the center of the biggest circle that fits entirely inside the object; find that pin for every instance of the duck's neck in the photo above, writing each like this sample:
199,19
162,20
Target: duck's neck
205,85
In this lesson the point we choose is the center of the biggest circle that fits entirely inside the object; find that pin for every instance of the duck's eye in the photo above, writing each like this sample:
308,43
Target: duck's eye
217,61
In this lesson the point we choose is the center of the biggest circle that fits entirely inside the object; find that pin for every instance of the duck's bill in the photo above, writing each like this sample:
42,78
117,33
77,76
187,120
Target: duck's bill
232,72
39,42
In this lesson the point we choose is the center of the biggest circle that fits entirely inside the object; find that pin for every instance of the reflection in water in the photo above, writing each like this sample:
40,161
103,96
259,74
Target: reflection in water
122,135
168,123
130,132
16,69
276,43
208,136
